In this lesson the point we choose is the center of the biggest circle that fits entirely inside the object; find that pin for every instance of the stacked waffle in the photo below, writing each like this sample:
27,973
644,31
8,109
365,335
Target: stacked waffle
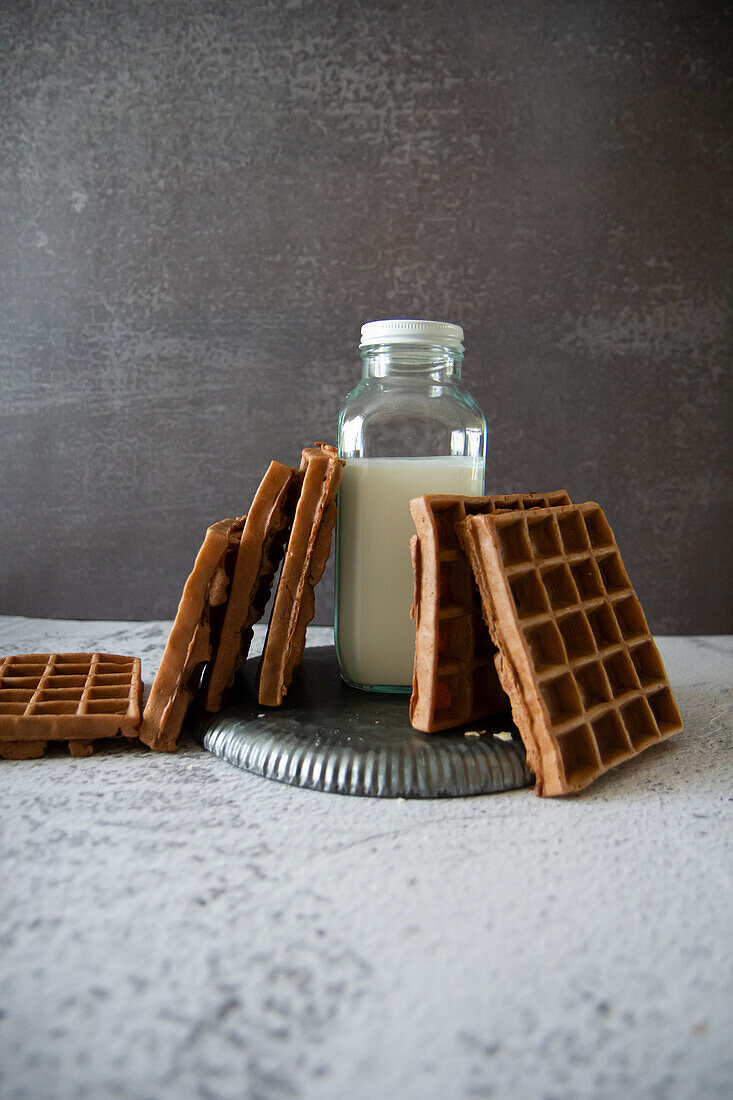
454,680
567,635
291,521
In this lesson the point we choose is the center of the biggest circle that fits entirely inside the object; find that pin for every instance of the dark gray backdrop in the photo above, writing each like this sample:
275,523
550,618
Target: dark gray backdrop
203,201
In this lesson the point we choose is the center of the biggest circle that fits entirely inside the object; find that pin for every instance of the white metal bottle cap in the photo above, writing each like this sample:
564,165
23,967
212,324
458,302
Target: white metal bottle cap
411,332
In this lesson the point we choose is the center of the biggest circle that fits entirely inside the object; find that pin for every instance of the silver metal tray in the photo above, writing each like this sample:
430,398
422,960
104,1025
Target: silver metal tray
330,737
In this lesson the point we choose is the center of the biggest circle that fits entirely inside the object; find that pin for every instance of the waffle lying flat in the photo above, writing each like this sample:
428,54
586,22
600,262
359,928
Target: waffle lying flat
193,637
260,552
586,682
454,679
305,561
73,697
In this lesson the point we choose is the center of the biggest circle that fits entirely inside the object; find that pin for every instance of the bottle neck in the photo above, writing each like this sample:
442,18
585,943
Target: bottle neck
412,362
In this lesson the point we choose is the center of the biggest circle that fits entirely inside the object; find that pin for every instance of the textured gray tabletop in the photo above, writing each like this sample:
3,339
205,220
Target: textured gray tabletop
174,927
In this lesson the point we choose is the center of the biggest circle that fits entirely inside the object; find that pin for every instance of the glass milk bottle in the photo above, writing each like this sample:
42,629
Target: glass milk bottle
408,428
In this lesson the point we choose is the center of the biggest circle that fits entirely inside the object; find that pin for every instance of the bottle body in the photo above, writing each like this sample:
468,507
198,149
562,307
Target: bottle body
374,630
409,428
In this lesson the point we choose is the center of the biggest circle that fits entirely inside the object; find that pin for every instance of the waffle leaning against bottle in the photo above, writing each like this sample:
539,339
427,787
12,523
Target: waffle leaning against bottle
193,637
454,677
261,550
305,561
73,697
586,682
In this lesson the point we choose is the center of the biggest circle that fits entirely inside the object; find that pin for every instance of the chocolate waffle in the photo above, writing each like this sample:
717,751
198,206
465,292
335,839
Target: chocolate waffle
73,697
454,678
586,682
305,561
193,637
260,552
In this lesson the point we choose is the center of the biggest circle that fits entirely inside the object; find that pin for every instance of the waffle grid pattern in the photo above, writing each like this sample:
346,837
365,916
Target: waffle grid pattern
458,684
69,696
598,670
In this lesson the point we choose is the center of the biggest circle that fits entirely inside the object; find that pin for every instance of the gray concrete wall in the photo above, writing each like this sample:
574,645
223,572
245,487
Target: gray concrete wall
203,201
